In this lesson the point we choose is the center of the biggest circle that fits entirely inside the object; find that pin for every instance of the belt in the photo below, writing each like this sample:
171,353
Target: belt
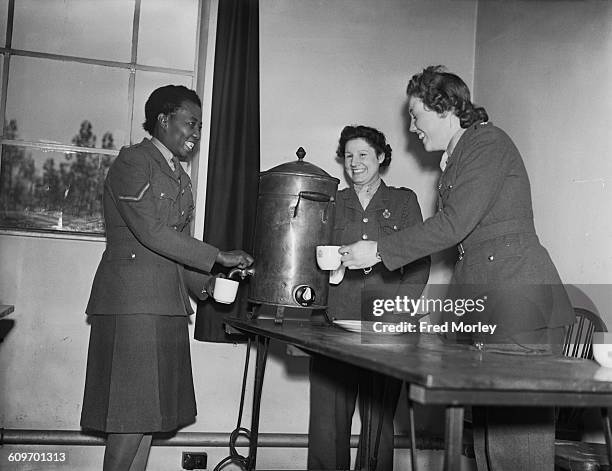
492,231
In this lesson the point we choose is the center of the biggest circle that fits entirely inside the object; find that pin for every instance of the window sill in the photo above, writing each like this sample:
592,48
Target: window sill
53,235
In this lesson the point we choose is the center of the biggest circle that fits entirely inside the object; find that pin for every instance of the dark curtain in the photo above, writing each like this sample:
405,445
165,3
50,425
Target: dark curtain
233,162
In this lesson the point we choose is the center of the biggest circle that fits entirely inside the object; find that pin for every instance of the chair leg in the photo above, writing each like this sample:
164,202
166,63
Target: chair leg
605,416
413,458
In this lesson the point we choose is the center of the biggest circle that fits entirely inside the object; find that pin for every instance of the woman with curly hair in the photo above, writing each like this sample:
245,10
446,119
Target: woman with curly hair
485,209
368,209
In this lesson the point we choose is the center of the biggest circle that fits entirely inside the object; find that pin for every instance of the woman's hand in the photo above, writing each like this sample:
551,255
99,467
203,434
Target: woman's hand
235,258
362,254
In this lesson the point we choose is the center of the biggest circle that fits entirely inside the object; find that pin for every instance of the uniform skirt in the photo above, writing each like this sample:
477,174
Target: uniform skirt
138,374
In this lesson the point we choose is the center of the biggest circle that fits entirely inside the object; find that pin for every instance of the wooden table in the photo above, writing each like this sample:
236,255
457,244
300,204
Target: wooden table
5,310
439,373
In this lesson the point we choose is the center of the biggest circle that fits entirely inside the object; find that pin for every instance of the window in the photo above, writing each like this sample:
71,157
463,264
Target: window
74,78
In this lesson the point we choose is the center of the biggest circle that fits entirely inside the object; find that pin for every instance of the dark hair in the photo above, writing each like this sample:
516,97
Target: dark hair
372,136
442,91
166,100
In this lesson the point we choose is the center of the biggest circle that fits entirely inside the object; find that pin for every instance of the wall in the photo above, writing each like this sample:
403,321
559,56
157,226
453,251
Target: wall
324,64
543,72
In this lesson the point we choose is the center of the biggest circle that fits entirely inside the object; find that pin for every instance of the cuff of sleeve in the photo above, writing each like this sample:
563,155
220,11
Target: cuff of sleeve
386,260
204,294
213,259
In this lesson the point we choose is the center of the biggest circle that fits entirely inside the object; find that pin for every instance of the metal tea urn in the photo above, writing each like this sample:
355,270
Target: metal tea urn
295,213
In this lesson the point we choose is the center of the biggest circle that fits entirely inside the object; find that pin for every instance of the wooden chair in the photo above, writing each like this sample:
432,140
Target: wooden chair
571,453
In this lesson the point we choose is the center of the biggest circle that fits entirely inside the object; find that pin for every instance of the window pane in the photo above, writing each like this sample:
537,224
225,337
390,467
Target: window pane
100,29
146,82
52,190
49,100
3,20
167,33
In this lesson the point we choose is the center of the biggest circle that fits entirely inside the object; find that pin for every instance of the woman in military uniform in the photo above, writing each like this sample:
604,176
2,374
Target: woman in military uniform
484,208
368,209
139,377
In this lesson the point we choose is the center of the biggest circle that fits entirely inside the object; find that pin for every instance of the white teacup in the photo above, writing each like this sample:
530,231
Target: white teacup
328,257
602,348
225,290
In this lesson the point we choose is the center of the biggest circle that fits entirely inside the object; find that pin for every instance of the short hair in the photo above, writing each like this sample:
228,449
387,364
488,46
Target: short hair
442,91
166,100
372,136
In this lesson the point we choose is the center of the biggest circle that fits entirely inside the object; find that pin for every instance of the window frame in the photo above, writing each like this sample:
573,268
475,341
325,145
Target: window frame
206,10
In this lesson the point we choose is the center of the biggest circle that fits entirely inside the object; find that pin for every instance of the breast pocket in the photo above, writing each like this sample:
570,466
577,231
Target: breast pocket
390,221
390,227
338,233
166,197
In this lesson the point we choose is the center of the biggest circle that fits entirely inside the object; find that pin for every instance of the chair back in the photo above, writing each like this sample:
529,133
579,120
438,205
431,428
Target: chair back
578,342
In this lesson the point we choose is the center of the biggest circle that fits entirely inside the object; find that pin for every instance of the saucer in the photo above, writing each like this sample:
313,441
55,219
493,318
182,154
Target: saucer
362,327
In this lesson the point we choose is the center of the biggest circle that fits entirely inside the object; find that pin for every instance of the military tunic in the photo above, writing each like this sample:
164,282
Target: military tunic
334,385
139,366
485,206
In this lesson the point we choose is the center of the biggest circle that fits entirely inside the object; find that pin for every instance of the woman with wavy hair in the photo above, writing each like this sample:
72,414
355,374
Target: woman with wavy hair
367,209
485,209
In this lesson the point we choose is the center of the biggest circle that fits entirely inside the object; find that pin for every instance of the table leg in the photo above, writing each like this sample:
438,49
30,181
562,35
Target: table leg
453,438
260,369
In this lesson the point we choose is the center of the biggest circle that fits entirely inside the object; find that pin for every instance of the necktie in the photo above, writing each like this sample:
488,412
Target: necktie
177,165
177,174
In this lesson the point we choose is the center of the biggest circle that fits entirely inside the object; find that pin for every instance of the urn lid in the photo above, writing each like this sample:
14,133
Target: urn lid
300,167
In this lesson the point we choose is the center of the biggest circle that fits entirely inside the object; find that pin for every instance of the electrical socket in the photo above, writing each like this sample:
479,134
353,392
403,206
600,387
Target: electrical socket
194,460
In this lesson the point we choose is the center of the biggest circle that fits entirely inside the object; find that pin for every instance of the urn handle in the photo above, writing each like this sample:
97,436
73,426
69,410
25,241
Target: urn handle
312,196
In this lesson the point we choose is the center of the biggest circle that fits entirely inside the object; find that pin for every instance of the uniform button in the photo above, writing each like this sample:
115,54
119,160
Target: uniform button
439,186
175,228
364,237
491,258
183,192
450,187
162,194
365,219
133,255
395,228
182,213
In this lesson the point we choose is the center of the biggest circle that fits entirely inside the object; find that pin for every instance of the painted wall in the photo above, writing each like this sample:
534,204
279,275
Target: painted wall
543,72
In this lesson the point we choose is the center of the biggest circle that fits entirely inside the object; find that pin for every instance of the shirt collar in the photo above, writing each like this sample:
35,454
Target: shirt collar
443,161
451,147
370,188
164,151
379,200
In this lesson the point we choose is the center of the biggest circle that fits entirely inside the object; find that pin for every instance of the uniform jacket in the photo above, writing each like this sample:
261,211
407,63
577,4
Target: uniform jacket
390,210
150,259
484,203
